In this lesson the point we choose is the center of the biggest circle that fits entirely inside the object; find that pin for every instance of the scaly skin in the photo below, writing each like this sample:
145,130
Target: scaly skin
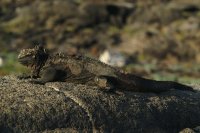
84,70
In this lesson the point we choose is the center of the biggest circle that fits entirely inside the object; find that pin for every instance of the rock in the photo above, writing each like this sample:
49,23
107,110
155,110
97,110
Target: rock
107,12
113,58
68,107
189,130
79,24
197,129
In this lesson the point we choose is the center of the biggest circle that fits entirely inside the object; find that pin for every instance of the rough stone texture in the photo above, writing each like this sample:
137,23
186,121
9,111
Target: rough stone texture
66,107
189,130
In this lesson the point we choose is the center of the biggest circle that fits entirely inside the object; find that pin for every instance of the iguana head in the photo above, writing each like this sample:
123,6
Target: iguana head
31,57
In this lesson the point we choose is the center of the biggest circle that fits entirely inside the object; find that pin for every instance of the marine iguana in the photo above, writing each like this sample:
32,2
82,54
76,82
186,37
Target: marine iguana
84,70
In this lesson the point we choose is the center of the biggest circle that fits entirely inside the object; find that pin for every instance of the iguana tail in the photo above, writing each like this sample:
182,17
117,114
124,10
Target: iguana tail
147,85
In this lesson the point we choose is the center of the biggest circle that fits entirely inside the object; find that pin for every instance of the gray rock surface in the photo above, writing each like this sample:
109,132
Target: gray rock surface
189,130
67,107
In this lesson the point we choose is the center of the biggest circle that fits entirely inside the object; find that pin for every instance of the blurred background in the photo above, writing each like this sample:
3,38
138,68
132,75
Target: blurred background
158,39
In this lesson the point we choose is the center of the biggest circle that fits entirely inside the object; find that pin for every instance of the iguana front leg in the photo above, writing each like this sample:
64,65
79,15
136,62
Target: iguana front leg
27,76
50,74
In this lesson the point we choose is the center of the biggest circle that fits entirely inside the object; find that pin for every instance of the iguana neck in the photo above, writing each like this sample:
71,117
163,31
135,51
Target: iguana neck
39,63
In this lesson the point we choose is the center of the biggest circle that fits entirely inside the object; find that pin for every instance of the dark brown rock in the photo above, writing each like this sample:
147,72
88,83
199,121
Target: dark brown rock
189,130
64,107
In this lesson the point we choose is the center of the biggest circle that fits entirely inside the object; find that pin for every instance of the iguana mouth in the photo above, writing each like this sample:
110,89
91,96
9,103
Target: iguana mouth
25,61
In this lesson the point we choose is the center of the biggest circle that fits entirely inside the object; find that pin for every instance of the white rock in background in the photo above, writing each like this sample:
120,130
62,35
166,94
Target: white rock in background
113,58
1,61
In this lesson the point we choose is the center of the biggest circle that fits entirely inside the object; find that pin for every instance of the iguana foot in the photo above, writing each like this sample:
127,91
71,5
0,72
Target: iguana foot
37,81
105,84
23,76
26,76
